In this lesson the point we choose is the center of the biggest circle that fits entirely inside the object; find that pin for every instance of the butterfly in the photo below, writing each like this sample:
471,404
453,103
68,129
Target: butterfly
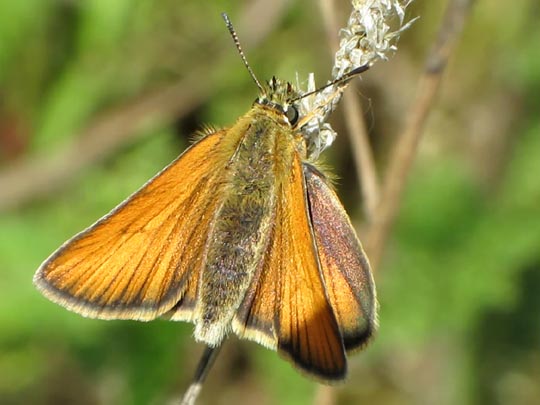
242,233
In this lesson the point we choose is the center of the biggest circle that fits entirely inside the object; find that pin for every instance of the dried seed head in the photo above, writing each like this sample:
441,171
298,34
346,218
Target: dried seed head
367,38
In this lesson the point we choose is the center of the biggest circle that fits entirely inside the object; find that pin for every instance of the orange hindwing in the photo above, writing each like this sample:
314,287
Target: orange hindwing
344,266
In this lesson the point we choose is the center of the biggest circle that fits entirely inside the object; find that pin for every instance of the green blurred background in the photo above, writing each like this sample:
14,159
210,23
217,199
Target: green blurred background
96,96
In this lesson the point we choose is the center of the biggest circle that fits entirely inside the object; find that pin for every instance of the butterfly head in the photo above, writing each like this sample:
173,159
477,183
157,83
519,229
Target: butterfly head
279,95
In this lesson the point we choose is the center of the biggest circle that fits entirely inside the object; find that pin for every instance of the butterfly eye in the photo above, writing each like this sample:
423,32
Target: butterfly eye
292,114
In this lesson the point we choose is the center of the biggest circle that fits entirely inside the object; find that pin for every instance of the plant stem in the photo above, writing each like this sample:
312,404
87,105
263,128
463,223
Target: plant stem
205,364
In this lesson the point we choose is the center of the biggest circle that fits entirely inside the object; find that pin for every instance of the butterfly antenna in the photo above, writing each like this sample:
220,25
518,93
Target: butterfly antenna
340,80
240,51
205,363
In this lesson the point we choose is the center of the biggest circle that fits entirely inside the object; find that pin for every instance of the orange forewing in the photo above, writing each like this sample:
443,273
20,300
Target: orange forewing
137,261
286,307
344,266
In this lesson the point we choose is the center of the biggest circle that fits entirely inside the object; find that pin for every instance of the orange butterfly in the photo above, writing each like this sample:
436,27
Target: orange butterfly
240,233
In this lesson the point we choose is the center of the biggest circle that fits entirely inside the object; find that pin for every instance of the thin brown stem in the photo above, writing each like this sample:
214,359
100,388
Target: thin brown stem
404,151
205,364
366,172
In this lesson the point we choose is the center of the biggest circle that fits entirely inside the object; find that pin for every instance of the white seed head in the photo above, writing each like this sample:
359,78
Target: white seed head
367,38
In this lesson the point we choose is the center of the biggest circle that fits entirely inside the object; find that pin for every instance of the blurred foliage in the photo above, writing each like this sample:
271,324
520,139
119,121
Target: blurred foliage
460,282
